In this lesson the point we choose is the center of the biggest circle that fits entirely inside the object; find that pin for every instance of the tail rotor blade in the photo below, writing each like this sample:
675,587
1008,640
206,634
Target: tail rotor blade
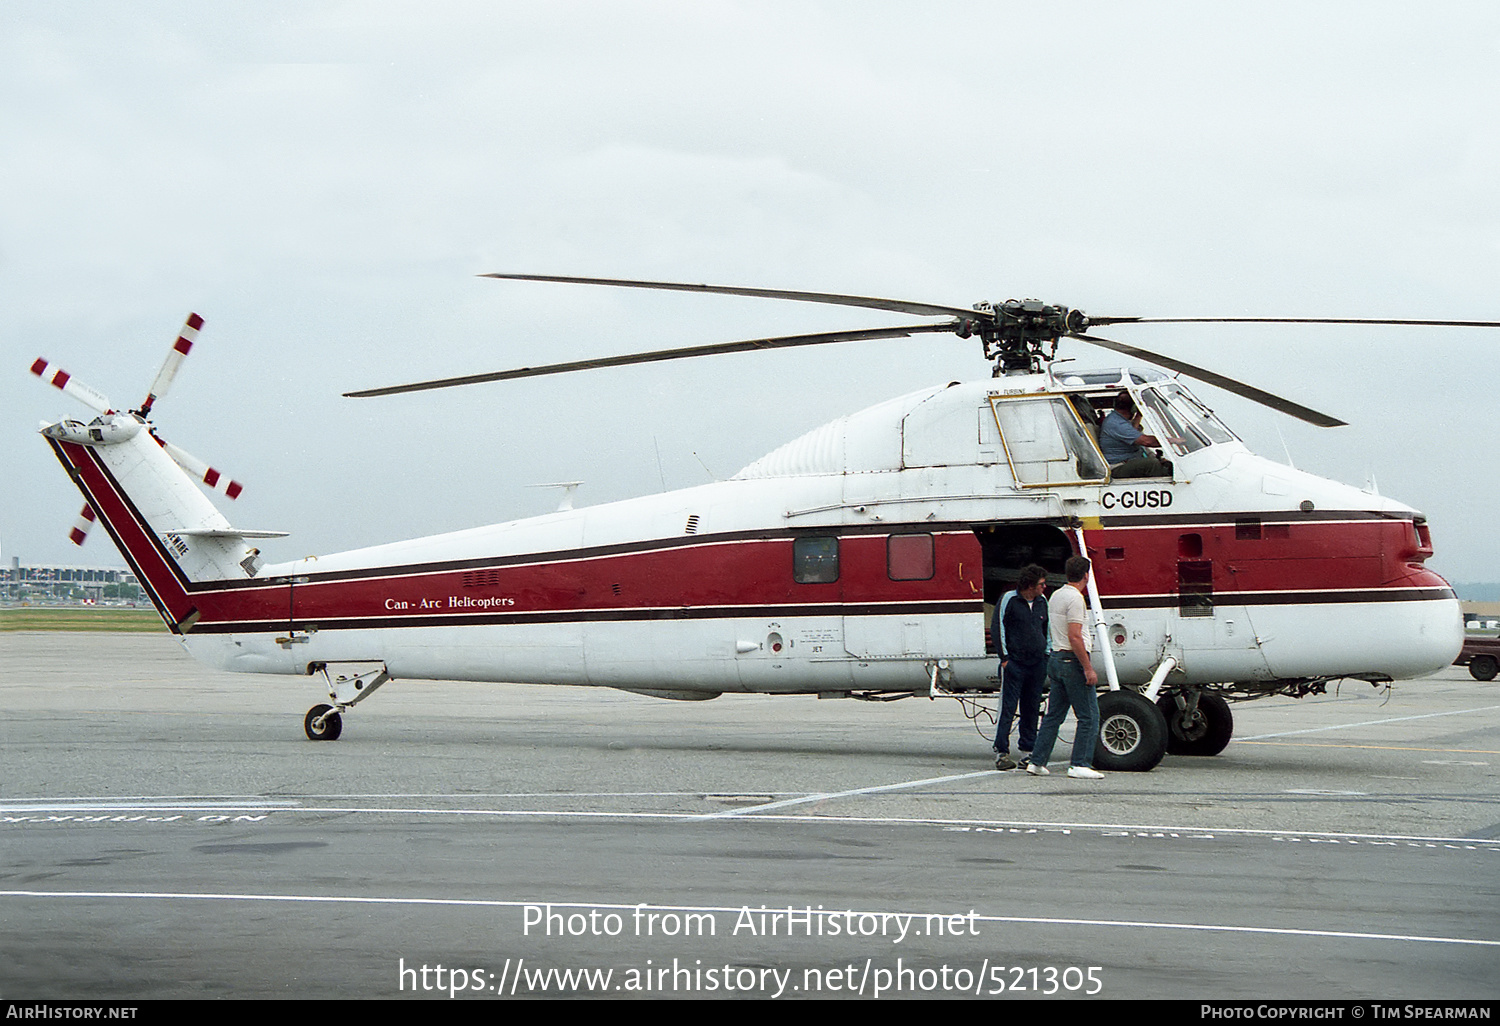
180,348
213,478
61,379
80,532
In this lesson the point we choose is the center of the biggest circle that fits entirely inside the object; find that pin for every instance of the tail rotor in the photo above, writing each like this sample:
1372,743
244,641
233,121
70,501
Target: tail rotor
113,426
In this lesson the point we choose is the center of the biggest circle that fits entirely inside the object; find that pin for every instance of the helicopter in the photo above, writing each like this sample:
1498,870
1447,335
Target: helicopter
860,560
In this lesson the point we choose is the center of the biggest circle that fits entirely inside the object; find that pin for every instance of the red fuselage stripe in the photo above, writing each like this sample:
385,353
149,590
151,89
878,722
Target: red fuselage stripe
1329,561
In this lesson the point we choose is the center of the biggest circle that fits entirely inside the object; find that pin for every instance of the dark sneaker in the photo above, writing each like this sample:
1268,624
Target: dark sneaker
1004,762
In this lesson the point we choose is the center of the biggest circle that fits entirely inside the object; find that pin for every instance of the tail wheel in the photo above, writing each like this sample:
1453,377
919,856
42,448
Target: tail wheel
1206,732
329,729
1132,733
1483,667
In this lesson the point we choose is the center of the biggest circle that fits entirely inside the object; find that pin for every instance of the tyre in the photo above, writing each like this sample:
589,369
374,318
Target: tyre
1483,667
333,724
1132,733
1209,731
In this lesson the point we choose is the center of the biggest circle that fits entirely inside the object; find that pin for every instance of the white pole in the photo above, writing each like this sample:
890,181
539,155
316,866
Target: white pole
1101,633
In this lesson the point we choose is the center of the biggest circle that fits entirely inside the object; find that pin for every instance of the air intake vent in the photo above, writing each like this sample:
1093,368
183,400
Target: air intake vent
482,579
692,525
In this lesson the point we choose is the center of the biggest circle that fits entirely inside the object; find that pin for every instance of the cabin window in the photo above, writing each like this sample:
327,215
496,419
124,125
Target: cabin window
909,557
1195,588
1046,441
815,560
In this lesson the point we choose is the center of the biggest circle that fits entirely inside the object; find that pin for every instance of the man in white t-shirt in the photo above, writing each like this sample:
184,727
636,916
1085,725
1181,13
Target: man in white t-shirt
1073,680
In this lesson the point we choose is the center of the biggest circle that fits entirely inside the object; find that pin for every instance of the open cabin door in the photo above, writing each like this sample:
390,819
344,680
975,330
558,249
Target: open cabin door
1007,548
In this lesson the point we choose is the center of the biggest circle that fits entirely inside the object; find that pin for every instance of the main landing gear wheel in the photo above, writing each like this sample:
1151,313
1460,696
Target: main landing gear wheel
1483,667
1132,733
1205,732
331,727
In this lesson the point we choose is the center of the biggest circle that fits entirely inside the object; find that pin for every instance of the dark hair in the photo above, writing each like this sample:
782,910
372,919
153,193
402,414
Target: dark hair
1077,568
1031,575
1124,403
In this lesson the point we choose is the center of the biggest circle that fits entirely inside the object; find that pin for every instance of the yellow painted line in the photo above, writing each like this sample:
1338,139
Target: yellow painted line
1379,748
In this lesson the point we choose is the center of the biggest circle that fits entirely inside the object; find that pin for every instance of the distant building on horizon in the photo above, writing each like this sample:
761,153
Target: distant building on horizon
61,580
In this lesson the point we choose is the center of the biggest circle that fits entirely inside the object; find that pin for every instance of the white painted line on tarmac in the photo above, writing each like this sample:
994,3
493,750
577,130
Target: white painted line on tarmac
142,798
9,808
1122,829
342,899
82,800
1131,829
1369,723
830,795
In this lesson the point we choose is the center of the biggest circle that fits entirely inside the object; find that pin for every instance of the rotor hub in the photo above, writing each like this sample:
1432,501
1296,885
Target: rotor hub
1021,335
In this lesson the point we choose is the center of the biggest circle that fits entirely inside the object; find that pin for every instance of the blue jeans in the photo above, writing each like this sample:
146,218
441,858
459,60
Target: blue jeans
1020,685
1069,690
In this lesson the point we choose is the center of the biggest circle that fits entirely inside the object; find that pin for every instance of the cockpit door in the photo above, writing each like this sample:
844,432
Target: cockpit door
1046,443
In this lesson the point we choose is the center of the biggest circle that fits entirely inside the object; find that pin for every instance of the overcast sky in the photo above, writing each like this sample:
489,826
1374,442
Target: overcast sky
323,181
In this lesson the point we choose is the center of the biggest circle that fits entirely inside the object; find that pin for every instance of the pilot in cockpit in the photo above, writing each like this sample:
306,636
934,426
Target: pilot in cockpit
1127,449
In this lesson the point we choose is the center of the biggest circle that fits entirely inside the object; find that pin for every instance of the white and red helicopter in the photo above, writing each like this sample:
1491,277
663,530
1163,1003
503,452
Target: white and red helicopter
859,560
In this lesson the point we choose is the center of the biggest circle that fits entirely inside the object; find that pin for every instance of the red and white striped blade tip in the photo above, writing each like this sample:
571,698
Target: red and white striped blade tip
80,530
210,476
180,348
61,379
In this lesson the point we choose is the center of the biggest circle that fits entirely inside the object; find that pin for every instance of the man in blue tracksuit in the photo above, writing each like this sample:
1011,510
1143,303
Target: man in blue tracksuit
1021,636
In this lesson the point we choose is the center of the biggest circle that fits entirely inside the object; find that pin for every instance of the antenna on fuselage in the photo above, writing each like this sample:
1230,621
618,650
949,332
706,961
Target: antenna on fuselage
1285,448
659,471
711,475
568,487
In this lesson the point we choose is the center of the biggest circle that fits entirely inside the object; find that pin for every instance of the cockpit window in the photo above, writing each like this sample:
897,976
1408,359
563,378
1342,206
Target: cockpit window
1046,442
1203,418
1188,423
1179,435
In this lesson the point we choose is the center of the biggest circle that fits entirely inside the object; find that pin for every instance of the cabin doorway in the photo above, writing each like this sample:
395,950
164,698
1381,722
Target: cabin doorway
1006,548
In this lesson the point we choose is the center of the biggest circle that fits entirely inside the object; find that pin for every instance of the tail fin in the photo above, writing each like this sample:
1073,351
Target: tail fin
172,536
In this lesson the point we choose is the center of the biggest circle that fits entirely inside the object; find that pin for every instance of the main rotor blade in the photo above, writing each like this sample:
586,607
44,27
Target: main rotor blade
1250,392
1294,320
662,355
867,302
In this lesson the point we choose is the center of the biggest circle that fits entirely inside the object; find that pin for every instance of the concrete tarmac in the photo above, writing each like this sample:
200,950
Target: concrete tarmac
168,831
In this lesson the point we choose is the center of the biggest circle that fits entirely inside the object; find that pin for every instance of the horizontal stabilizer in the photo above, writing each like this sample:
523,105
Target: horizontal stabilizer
229,532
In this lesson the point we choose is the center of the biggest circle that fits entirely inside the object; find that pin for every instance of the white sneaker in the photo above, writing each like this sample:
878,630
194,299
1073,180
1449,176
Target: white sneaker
1084,773
1036,771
